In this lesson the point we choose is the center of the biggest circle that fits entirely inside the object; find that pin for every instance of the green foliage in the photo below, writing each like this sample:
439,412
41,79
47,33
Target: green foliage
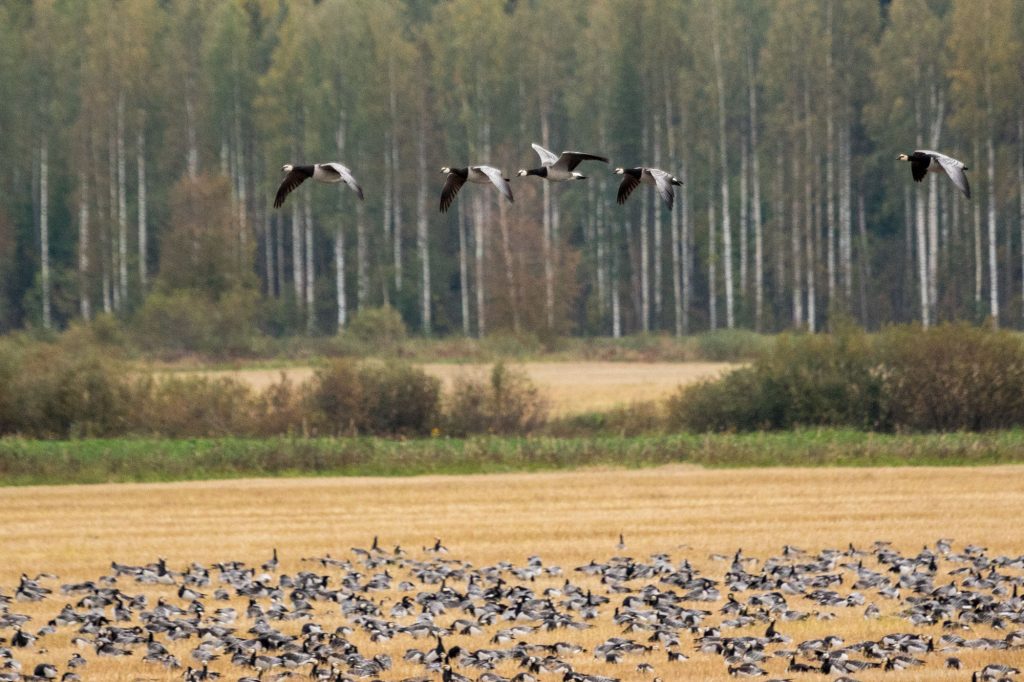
186,321
507,403
731,345
390,398
953,378
377,328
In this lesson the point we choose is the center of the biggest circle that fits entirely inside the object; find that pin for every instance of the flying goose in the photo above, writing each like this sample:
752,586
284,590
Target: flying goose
657,178
481,175
558,168
923,161
321,172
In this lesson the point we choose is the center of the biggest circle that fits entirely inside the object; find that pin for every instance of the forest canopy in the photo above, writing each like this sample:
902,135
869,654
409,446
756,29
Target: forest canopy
144,141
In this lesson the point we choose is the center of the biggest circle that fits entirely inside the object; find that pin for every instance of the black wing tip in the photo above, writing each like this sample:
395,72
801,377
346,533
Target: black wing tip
359,192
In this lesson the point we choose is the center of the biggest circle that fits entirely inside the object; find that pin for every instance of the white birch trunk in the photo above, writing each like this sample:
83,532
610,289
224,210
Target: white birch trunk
712,264
340,294
744,224
422,243
122,205
192,152
674,220
645,252
845,210
84,304
268,252
756,202
298,270
795,233
938,106
44,231
830,185
921,247
978,257
810,225
310,286
616,302
993,267
464,273
140,165
723,159
863,260
549,267
658,251
112,217
396,208
388,198
478,243
685,245
362,258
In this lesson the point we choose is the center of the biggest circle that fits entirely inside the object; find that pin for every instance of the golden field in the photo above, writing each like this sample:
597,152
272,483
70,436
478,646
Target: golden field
571,387
567,519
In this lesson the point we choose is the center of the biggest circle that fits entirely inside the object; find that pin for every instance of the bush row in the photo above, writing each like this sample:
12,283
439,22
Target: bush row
53,391
948,378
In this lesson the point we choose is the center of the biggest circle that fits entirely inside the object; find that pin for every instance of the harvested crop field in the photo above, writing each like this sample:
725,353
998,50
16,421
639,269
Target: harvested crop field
571,387
564,519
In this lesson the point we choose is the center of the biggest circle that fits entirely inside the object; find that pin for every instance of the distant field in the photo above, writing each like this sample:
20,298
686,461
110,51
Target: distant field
572,387
566,518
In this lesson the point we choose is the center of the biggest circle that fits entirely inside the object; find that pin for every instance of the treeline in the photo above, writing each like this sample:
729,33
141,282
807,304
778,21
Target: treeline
143,139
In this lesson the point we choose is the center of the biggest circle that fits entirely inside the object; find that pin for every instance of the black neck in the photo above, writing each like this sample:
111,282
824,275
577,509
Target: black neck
542,171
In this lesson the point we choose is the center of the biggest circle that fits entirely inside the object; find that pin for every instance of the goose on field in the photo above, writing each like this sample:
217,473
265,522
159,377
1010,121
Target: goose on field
559,168
923,161
321,172
481,175
657,178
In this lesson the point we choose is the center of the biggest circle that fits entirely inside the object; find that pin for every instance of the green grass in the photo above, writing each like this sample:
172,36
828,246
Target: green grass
33,462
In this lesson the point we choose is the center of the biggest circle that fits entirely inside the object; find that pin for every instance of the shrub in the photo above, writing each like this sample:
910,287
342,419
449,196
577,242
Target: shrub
377,327
388,399
729,345
635,419
185,321
194,407
55,392
507,403
812,380
953,377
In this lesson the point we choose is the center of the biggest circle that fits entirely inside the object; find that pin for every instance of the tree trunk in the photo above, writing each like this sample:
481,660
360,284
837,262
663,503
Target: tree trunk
1020,193
112,218
464,271
268,251
478,243
744,223
685,243
712,263
422,244
44,231
922,250
993,271
658,251
756,201
396,189
978,258
362,258
122,205
192,153
674,219
645,251
724,161
810,224
510,273
140,164
388,198
549,267
84,304
864,261
795,234
845,210
938,106
298,269
340,294
830,164
615,259
310,285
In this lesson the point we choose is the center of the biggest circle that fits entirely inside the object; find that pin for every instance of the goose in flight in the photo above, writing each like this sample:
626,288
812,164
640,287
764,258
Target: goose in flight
481,175
923,161
321,172
659,179
558,168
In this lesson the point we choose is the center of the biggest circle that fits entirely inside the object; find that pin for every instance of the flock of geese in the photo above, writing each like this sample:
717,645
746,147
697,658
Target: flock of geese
336,619
562,167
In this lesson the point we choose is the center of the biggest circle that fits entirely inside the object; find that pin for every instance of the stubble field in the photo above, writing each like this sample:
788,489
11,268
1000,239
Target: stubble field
566,519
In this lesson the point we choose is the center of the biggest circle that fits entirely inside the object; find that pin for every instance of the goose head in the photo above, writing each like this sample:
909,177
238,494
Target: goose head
287,168
903,157
619,171
522,173
446,170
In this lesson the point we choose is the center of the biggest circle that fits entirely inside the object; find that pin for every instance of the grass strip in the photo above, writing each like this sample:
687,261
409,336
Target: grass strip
35,462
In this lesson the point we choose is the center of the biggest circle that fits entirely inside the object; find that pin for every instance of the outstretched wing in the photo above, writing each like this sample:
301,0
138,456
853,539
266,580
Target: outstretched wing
955,170
451,188
663,183
346,176
546,158
290,182
626,187
498,179
569,160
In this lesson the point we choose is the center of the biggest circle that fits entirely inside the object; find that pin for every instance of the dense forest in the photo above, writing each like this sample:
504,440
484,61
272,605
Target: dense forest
143,142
